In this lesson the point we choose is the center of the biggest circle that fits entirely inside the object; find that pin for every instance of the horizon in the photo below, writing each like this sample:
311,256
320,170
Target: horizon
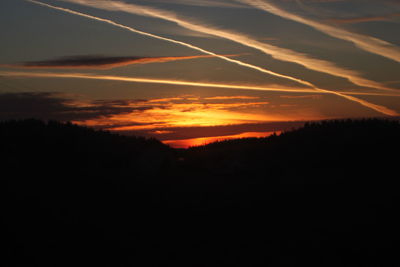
193,72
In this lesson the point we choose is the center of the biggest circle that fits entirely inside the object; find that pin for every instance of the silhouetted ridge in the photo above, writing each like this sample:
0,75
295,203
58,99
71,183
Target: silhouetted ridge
336,144
322,195
64,144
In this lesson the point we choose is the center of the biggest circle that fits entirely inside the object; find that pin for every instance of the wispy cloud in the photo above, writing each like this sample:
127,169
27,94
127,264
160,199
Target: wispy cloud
170,119
172,114
122,114
97,62
144,116
366,43
280,53
131,116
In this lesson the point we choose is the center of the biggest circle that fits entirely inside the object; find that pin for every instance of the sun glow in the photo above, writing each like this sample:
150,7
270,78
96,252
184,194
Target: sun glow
189,115
186,143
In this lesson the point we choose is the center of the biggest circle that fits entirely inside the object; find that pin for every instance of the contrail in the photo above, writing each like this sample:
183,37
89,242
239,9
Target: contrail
377,108
366,43
238,62
278,53
155,81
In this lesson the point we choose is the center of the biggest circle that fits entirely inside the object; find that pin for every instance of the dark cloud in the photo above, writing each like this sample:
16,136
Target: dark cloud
51,106
96,62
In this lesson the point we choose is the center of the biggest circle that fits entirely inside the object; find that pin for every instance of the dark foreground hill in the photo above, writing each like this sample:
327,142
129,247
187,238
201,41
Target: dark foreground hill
323,195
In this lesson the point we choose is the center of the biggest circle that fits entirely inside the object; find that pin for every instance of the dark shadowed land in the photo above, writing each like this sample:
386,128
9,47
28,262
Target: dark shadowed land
326,194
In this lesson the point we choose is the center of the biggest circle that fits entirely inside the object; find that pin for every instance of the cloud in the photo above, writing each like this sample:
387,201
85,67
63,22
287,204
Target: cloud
126,113
97,62
137,117
52,106
164,113
175,119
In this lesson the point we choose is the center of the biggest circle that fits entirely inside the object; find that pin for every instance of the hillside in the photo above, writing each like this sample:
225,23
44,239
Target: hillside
322,195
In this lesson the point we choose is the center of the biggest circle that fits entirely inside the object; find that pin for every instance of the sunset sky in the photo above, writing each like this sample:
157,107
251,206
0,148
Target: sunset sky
192,71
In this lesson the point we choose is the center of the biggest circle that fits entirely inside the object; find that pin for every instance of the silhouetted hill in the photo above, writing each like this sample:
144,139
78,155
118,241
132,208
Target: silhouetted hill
322,195
53,143
337,145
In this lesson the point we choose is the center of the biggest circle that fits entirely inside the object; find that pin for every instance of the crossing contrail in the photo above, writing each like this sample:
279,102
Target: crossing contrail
278,53
367,43
372,106
238,62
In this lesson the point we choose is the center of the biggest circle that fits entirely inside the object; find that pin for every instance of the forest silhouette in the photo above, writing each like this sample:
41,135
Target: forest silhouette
326,194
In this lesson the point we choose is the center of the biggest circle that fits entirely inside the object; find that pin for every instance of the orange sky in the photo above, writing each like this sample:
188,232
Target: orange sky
186,143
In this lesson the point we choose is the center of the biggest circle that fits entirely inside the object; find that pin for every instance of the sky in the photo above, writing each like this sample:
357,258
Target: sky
188,72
